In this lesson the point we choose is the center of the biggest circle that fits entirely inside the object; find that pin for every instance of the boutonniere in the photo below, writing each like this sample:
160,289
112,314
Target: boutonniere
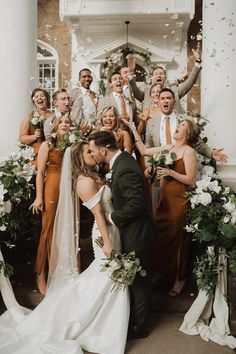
108,177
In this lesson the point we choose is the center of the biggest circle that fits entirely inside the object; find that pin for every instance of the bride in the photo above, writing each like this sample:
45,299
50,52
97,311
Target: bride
78,311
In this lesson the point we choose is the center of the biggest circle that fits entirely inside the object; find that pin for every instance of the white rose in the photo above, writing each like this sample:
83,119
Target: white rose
2,192
194,201
205,198
127,264
3,227
168,160
34,121
214,186
226,219
72,138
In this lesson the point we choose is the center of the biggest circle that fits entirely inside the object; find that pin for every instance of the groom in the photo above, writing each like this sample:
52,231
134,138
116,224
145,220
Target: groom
131,216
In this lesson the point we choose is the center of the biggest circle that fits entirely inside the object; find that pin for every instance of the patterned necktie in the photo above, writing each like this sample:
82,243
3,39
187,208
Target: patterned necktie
168,133
123,105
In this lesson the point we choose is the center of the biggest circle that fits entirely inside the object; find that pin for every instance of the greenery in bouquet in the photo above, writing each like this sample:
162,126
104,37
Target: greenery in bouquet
74,136
207,268
121,268
16,176
36,120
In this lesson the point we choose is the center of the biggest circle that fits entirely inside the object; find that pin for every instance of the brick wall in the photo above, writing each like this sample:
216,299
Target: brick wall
56,33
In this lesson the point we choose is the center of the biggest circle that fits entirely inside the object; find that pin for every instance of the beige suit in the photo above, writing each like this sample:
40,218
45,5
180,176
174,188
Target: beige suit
179,91
76,113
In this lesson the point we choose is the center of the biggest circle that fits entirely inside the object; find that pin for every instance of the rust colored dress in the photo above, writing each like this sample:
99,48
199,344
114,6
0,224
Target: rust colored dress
171,256
51,194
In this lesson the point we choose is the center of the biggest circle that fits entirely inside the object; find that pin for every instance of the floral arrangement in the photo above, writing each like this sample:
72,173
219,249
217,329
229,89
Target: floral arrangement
121,268
164,158
74,136
118,58
16,174
211,220
201,122
36,120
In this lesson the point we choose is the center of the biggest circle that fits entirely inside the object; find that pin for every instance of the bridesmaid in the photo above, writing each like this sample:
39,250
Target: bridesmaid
109,121
171,256
153,111
31,126
47,192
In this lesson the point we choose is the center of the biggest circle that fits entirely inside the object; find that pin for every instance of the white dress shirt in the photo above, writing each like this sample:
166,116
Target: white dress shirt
127,105
89,107
173,125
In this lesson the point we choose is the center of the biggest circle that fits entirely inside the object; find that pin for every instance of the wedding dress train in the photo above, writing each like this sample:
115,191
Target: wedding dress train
83,314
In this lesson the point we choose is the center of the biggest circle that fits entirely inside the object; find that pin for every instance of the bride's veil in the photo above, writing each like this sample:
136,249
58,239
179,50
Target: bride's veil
64,258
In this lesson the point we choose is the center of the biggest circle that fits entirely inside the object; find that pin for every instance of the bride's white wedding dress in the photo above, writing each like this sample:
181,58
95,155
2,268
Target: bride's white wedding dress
83,314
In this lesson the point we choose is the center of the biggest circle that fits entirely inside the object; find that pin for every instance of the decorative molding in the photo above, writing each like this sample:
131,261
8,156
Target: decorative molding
72,8
161,55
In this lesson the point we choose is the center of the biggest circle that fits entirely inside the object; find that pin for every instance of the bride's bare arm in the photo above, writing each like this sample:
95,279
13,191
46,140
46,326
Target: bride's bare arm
86,190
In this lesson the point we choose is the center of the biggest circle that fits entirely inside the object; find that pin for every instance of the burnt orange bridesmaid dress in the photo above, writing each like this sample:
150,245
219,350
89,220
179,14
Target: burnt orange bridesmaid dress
171,256
51,194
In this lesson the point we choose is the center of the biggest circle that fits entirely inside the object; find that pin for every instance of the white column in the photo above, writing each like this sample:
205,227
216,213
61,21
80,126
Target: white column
18,67
218,80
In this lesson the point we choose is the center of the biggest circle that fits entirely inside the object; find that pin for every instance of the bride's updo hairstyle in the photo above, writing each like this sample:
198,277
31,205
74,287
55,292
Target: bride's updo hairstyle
192,133
78,166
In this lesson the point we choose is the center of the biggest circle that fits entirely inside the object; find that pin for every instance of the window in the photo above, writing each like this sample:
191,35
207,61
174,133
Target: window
47,67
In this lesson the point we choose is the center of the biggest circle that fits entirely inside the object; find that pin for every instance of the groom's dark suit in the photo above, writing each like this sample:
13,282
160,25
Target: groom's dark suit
131,216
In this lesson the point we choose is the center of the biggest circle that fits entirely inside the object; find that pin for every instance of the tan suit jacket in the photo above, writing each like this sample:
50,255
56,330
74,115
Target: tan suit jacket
179,91
76,105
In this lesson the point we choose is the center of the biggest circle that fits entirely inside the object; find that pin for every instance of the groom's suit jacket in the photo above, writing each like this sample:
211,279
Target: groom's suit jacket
131,213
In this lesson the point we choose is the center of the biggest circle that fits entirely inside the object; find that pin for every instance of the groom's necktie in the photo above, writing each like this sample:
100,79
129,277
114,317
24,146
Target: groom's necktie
168,133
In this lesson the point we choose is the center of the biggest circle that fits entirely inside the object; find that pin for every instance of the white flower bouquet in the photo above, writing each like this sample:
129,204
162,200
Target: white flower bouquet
36,120
164,158
121,268
74,136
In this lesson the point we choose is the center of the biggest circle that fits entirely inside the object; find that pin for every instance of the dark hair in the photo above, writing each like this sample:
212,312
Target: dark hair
121,67
114,73
193,132
158,67
78,166
103,139
45,93
56,93
166,89
85,69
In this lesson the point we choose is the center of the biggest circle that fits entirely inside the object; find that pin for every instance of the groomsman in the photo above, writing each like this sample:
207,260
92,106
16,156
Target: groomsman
125,105
62,104
159,76
83,100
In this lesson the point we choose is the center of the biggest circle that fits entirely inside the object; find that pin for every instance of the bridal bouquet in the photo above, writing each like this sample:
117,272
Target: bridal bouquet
74,136
121,268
